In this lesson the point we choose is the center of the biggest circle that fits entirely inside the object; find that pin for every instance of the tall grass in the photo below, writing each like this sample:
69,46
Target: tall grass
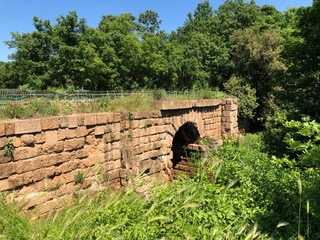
12,225
237,192
140,101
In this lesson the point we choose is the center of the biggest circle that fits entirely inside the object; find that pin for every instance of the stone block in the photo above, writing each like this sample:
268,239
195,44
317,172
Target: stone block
229,113
230,101
18,180
10,128
73,144
172,105
116,154
27,126
72,121
90,161
69,166
40,138
27,139
25,166
70,133
26,152
99,130
102,118
61,134
4,185
50,123
80,119
69,176
48,207
65,156
43,173
111,175
53,147
111,137
2,129
108,156
4,159
40,162
207,102
81,153
81,131
3,141
7,169
90,119
231,107
116,117
51,136
112,165
63,121
17,142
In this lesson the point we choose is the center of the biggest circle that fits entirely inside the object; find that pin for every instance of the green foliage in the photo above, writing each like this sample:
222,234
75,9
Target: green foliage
8,150
258,62
302,52
296,139
79,177
12,225
238,192
159,94
267,49
246,96
302,139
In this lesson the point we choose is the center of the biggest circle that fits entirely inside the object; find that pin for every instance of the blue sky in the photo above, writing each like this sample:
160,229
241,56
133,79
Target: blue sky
17,15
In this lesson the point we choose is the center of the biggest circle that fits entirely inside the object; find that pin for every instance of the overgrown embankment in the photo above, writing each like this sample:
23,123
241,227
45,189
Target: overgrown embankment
252,197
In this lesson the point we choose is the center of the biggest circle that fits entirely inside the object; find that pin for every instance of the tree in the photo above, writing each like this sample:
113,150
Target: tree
206,58
120,50
257,60
8,75
303,79
56,56
234,15
149,22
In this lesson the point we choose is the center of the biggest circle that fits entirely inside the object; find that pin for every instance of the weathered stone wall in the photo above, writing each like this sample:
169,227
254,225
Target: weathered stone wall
55,157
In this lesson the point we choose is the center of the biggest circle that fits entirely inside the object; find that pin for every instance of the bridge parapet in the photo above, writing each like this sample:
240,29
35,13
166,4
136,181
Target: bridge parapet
55,157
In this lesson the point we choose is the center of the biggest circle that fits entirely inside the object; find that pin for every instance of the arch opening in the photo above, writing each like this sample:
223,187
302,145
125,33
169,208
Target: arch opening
187,134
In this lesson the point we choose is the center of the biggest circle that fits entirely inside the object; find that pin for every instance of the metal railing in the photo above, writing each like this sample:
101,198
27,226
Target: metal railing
26,95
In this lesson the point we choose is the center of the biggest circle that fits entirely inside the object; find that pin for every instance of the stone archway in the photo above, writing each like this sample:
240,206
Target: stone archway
187,134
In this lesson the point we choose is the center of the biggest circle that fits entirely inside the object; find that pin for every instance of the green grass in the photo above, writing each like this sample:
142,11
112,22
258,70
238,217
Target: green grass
238,192
140,101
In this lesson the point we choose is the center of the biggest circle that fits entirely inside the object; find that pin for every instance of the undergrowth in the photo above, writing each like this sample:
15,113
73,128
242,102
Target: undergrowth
238,192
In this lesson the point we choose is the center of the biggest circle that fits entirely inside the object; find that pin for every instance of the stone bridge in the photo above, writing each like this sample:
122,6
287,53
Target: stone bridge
55,157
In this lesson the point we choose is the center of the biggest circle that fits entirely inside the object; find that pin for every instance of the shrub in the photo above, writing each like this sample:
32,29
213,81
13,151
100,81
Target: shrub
245,94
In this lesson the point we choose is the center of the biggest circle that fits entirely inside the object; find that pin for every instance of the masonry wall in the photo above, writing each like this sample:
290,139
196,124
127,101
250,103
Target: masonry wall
56,157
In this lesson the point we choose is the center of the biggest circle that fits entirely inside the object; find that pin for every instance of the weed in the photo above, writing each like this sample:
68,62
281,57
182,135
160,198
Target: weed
8,150
54,188
79,177
140,101
130,116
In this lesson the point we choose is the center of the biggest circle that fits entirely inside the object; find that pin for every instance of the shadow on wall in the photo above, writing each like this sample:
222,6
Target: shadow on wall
188,133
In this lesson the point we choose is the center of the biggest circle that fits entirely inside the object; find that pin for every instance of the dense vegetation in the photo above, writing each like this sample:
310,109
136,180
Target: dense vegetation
266,58
238,192
266,185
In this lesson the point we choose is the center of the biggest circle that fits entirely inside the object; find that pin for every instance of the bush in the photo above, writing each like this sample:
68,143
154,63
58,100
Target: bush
245,94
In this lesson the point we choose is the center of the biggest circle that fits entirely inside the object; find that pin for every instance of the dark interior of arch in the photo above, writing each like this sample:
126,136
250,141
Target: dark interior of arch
188,133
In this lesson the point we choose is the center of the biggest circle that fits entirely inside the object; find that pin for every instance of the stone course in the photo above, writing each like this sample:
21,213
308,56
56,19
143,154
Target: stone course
105,148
